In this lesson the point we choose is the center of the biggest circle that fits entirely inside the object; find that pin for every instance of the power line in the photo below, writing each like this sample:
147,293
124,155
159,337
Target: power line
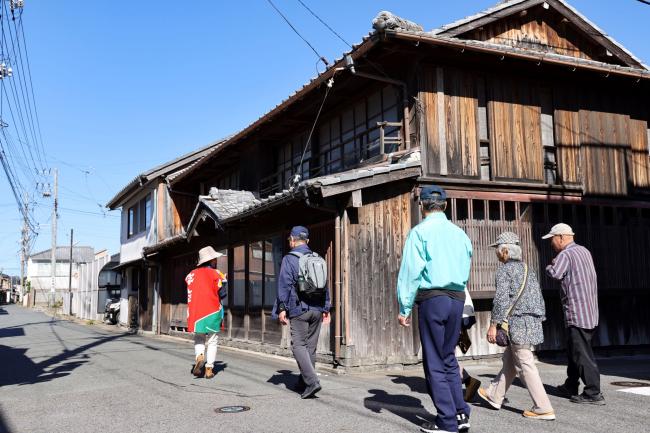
325,24
296,177
25,93
322,58
88,212
31,85
373,65
645,2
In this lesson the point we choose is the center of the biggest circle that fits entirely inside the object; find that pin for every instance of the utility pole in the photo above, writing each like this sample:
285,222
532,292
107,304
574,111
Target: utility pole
70,276
23,246
55,215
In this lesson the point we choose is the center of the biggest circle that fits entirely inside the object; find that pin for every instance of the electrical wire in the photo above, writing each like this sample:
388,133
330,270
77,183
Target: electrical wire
297,176
322,58
325,24
373,65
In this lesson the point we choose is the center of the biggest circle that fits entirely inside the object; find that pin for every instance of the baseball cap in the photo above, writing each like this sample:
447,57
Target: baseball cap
432,192
559,229
299,232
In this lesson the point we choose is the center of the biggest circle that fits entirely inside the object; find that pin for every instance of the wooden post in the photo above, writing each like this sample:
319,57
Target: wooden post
442,135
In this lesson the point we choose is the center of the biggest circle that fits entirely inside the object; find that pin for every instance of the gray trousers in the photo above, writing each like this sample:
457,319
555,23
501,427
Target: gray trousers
305,330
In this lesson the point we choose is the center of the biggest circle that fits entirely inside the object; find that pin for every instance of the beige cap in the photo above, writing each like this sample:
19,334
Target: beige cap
559,229
206,254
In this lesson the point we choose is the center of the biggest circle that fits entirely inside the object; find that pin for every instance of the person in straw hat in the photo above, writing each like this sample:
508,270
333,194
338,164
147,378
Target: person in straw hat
206,286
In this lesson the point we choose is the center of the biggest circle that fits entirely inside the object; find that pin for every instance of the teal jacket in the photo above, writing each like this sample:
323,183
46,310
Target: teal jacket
437,254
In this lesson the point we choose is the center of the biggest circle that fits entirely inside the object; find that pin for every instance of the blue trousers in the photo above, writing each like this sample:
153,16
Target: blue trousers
439,319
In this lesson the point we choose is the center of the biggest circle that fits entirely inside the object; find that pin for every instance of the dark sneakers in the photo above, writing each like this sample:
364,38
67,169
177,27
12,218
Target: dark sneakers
463,425
585,399
463,422
566,391
430,427
311,390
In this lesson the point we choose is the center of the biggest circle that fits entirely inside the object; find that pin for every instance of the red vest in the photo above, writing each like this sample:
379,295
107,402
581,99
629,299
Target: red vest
203,301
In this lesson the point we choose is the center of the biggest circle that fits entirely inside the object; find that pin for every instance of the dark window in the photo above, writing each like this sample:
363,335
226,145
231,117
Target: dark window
509,210
239,278
354,135
495,210
461,209
139,216
273,260
255,273
478,208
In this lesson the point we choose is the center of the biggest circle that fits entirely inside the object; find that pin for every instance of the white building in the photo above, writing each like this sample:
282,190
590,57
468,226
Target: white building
39,271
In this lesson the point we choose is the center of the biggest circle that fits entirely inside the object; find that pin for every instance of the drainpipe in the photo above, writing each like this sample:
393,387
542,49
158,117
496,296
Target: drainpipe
337,288
405,99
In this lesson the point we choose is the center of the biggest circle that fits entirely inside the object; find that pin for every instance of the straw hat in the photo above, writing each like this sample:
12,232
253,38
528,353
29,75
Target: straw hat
206,254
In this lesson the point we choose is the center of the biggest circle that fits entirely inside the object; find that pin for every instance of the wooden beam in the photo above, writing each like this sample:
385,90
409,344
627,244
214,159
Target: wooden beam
327,191
355,198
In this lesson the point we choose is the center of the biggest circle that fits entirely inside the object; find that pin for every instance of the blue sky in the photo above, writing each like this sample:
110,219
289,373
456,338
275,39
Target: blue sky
123,86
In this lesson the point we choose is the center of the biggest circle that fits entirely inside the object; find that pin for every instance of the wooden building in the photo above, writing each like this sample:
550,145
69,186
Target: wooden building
526,113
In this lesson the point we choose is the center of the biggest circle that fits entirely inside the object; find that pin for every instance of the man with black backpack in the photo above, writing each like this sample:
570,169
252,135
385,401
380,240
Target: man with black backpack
304,302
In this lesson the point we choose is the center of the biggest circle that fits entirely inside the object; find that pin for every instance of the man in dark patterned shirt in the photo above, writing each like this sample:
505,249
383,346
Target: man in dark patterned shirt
574,268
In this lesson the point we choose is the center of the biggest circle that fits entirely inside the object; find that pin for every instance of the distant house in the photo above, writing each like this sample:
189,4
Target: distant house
39,271
5,288
98,281
526,113
152,213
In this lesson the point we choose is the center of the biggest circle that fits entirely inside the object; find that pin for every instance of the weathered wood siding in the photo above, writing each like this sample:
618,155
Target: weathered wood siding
605,141
597,140
451,98
639,157
375,238
514,111
567,135
540,29
616,234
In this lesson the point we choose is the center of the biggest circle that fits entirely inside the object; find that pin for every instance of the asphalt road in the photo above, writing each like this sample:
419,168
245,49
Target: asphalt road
59,376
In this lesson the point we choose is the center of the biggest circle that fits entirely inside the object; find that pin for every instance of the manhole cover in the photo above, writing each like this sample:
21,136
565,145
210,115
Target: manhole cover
232,409
631,384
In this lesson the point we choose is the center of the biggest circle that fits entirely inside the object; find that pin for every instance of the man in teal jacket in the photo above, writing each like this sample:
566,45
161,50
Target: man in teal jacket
433,275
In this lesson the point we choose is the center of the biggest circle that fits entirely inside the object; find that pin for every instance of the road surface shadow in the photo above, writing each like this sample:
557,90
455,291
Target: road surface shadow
4,428
415,383
404,406
19,369
288,379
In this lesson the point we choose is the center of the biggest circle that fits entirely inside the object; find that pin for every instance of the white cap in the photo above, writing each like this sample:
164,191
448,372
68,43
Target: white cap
206,254
559,229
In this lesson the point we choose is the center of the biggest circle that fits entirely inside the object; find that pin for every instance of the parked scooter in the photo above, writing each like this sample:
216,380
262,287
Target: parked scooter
112,311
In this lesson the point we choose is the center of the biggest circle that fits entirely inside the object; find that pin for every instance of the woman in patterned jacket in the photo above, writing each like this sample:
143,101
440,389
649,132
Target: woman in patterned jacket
525,328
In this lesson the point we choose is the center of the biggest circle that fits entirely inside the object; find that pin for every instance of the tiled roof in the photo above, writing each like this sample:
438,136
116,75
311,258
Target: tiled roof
228,205
225,203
